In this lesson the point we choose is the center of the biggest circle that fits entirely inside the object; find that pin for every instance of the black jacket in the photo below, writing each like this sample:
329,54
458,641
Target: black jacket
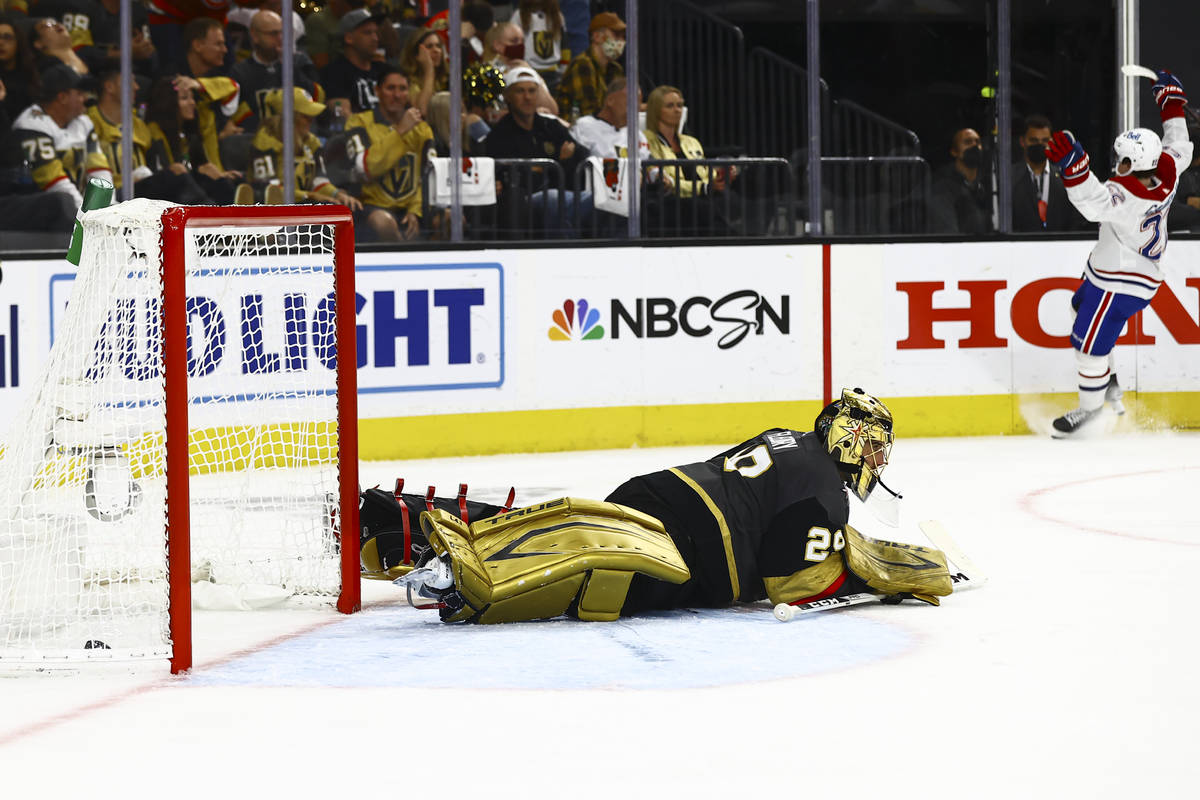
1061,214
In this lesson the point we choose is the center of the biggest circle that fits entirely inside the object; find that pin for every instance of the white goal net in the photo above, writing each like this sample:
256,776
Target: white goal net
93,514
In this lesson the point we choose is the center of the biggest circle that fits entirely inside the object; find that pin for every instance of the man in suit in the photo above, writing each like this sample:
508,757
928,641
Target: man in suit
1040,203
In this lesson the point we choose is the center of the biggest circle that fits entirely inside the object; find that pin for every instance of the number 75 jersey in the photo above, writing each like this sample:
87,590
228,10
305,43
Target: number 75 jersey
1133,219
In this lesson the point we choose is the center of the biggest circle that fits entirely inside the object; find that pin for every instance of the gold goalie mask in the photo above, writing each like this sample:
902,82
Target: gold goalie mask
857,430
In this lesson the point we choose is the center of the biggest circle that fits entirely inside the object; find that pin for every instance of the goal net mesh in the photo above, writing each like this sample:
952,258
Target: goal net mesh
83,493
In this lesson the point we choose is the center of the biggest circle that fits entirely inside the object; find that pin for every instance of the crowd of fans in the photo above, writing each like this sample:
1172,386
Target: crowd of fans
544,89
544,99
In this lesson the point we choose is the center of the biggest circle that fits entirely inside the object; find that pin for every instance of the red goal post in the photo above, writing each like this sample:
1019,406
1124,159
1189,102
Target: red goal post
176,222
193,437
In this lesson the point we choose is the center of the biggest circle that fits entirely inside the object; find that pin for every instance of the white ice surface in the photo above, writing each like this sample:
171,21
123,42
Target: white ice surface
1071,674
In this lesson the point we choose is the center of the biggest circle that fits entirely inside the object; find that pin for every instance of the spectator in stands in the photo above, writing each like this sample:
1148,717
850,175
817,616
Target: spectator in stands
524,133
177,187
959,200
312,185
52,42
604,133
474,129
217,96
176,142
95,30
169,20
241,19
387,146
351,78
686,206
262,72
1039,200
543,23
424,62
664,115
57,139
322,40
17,73
581,90
504,49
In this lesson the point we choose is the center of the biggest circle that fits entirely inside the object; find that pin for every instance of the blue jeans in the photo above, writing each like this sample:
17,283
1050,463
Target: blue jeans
565,220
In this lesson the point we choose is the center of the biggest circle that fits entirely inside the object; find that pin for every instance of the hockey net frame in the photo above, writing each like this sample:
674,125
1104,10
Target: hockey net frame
176,221
181,463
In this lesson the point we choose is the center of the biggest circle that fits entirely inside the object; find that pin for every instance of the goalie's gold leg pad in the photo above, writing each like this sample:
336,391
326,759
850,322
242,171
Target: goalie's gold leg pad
894,567
535,562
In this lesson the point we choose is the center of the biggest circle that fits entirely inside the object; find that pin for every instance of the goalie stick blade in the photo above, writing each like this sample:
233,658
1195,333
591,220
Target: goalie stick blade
786,613
965,571
1138,71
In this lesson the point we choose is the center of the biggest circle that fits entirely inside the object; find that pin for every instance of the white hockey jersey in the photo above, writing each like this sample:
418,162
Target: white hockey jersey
1133,219
61,159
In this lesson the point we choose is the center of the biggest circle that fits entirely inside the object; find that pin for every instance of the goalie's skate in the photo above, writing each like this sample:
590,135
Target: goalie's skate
1072,422
1113,394
431,581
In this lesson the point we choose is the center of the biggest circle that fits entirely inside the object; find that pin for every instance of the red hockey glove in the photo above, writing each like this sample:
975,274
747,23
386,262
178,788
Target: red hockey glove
1069,156
1168,93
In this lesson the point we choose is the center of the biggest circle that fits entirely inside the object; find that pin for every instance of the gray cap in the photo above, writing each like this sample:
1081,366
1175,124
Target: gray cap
351,20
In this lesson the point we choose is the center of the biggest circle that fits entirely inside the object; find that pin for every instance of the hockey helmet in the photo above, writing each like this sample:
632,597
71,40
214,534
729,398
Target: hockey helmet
1141,146
857,432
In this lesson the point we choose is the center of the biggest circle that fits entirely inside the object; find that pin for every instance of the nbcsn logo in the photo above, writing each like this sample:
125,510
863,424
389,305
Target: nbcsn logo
575,320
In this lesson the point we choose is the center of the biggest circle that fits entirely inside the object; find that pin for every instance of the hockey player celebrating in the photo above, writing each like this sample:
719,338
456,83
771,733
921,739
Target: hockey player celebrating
1122,272
767,518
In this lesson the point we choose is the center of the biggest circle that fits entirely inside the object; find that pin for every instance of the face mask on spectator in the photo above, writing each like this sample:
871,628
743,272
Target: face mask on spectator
613,47
1036,153
514,52
972,157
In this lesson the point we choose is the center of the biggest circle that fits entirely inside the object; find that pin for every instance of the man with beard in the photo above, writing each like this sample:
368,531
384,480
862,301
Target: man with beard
262,72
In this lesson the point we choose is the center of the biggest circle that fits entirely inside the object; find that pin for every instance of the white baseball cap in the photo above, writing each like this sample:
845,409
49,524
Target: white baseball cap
520,74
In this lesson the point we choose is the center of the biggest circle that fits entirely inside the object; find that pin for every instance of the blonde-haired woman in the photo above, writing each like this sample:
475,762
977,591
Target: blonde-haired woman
688,185
664,113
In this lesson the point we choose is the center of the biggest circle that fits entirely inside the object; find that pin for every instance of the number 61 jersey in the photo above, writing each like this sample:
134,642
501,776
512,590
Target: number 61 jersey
763,519
1133,219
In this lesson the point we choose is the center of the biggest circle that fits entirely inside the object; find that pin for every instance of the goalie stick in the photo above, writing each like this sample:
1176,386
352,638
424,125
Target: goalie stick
964,575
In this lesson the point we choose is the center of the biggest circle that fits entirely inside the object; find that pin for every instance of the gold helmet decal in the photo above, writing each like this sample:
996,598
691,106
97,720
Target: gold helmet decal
857,430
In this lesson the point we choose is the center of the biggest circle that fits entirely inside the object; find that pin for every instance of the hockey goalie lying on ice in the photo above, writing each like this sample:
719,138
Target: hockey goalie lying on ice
767,518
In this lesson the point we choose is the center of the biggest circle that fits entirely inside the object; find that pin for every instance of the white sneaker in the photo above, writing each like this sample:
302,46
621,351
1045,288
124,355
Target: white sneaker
1070,423
1113,394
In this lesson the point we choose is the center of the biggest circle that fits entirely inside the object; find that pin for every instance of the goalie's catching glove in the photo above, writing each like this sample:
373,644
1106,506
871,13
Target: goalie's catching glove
1168,93
1069,156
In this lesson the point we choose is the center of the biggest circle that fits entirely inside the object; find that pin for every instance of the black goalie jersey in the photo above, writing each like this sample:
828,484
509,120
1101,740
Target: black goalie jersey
763,519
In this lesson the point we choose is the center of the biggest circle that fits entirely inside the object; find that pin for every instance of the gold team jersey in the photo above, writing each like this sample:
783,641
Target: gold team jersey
59,157
109,137
219,94
266,154
389,161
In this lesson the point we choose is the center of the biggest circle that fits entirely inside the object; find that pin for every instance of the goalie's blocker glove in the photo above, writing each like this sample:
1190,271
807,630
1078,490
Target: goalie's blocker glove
1069,156
1168,93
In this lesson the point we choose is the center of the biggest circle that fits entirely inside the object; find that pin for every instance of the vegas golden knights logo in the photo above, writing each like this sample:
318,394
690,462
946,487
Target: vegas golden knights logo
543,45
400,181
